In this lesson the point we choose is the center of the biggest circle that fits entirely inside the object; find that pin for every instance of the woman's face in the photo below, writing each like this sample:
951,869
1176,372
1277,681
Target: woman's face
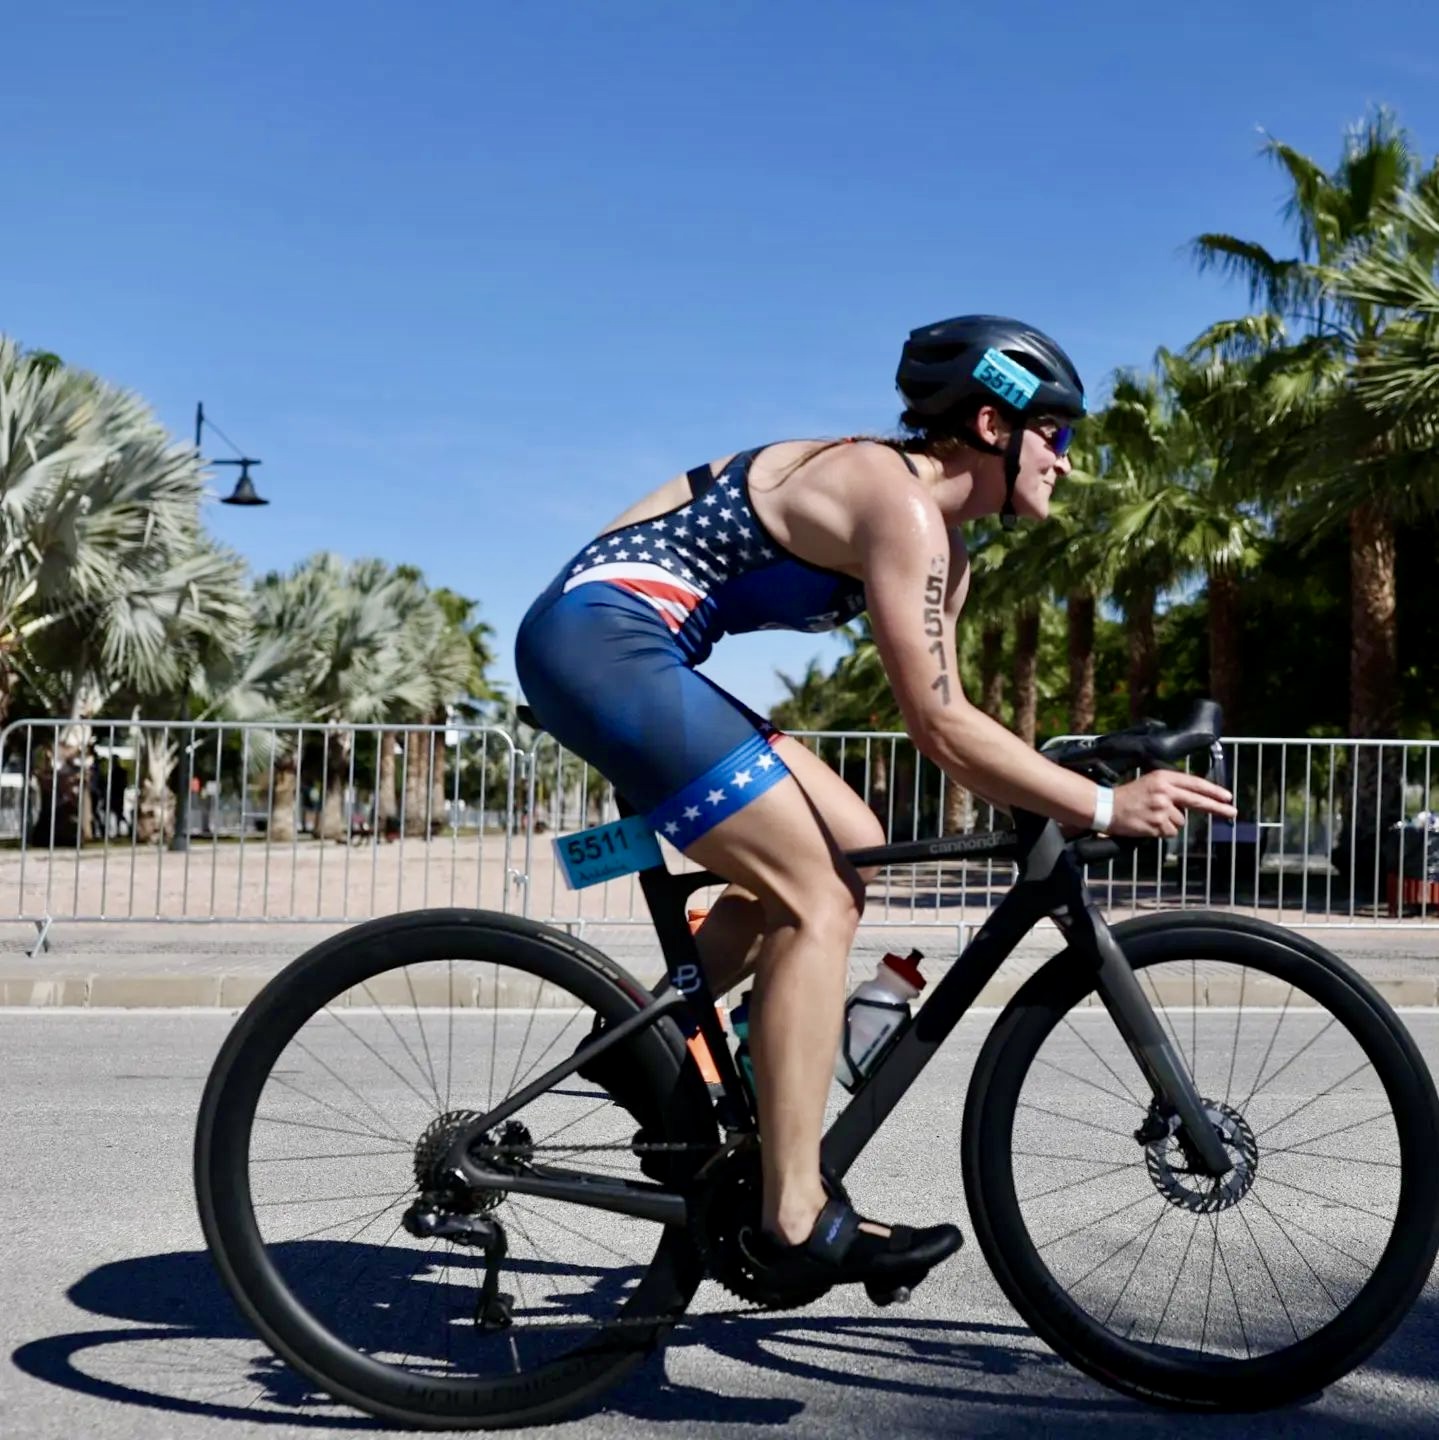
1040,468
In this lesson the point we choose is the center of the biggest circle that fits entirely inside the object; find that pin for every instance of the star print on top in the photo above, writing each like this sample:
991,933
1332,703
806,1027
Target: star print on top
710,568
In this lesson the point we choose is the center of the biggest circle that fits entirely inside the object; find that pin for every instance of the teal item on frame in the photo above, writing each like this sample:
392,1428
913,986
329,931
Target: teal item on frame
1012,383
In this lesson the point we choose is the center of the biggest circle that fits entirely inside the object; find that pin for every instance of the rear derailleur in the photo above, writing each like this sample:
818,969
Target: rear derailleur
447,1209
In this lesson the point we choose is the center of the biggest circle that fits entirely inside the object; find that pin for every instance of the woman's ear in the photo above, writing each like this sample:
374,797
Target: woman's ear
990,425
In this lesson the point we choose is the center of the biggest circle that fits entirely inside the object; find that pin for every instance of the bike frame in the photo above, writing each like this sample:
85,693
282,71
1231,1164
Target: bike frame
1050,883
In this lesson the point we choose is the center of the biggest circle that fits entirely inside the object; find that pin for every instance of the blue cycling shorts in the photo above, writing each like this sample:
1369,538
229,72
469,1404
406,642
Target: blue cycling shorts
605,676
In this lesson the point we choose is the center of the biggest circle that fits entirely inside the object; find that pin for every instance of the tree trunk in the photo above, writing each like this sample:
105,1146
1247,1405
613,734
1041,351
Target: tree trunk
154,800
878,797
1373,696
1143,655
1224,645
1373,631
958,809
333,823
386,806
991,655
281,826
438,805
1081,663
1026,660
420,746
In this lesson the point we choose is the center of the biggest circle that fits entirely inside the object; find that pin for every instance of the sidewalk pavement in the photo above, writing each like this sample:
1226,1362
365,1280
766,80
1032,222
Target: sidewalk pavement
225,965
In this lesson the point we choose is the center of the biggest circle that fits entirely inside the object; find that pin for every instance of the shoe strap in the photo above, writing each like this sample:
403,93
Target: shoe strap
833,1232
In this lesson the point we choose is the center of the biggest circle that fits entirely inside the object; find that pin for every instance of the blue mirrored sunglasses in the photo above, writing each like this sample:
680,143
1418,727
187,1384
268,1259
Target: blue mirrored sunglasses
1059,439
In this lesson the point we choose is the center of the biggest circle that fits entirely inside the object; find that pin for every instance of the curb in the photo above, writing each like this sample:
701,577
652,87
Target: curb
235,991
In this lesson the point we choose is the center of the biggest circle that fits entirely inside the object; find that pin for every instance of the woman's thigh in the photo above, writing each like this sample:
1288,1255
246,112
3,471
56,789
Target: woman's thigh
787,846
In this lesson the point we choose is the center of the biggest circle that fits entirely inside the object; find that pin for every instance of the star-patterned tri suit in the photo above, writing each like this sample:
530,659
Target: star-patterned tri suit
606,655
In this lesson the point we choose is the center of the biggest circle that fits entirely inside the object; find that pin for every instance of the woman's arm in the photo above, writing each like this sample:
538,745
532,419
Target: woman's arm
913,599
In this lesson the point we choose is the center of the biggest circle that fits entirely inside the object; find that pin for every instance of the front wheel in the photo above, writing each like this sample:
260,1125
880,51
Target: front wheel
1232,1294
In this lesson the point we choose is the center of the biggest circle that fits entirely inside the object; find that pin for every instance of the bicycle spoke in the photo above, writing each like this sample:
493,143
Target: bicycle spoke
1100,1219
1118,1079
1139,1260
1169,1299
1075,1184
1264,1260
1070,1075
1075,1120
1314,1099
1267,1179
1304,1259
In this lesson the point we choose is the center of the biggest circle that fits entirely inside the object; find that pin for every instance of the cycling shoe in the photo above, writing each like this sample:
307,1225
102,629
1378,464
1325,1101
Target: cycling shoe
838,1252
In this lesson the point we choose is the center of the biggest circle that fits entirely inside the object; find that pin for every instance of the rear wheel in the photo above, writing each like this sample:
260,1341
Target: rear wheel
1238,1293
328,1112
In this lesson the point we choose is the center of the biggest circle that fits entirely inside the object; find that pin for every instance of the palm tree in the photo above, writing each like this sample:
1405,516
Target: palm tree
107,580
989,606
109,587
1171,522
1316,332
326,642
447,647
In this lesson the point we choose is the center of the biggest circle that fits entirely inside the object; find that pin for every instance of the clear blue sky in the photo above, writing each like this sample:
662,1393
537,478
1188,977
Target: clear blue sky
471,277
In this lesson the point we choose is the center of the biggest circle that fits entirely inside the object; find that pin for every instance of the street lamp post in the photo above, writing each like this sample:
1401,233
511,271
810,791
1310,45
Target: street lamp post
244,493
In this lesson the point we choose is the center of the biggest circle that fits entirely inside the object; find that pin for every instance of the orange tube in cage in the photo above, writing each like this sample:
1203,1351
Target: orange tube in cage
696,1042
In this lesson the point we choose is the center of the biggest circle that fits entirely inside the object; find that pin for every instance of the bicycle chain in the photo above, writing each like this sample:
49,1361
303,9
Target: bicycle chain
648,1147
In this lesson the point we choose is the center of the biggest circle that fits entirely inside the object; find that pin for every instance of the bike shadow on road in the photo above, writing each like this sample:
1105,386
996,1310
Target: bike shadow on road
184,1348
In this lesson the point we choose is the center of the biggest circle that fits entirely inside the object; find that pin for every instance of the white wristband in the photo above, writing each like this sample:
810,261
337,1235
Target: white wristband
1103,808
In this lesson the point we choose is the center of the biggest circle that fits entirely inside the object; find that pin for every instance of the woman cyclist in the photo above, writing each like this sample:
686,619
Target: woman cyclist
805,535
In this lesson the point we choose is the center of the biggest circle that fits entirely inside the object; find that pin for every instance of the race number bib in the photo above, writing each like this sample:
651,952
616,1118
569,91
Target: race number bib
590,857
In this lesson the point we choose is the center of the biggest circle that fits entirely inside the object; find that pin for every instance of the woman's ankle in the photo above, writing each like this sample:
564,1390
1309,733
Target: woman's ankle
792,1222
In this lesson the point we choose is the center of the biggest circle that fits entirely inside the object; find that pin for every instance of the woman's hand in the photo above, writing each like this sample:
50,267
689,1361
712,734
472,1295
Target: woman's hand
1154,804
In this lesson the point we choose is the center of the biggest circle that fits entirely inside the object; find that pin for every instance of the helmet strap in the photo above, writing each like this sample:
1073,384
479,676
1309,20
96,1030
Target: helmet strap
1009,517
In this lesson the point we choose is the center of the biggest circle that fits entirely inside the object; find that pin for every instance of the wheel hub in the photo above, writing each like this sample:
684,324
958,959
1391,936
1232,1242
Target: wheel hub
514,1149
1189,1189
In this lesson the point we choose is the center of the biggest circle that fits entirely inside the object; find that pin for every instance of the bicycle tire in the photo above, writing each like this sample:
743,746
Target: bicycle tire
1167,1374
222,1158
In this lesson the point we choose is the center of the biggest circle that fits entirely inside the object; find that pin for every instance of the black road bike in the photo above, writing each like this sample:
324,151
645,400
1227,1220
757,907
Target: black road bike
461,1170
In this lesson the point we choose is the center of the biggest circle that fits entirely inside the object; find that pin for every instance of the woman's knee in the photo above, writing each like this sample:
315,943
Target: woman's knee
827,907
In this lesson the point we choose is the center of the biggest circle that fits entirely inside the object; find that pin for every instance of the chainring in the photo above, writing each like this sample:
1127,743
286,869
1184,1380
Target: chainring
725,1214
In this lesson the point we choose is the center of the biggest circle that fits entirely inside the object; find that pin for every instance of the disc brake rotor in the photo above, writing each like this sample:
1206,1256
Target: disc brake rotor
1188,1189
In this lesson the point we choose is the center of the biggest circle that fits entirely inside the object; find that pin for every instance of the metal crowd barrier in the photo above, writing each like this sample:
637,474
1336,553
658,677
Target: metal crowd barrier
1331,832
335,823
215,821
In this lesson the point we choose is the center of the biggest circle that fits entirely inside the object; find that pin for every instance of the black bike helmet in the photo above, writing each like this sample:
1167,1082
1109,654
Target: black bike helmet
946,367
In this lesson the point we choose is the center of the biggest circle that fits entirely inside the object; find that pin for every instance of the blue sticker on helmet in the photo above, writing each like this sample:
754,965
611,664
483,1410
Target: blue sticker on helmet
1012,383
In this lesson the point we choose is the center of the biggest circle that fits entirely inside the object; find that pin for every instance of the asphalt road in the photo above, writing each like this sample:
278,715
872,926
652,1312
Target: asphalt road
114,1324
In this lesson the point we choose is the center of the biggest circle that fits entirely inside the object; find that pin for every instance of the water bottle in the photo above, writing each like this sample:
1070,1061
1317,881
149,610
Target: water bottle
739,1023
876,1012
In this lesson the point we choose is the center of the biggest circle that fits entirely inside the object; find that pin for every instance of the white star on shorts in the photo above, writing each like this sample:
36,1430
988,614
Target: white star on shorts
692,812
765,762
715,796
742,778
672,828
